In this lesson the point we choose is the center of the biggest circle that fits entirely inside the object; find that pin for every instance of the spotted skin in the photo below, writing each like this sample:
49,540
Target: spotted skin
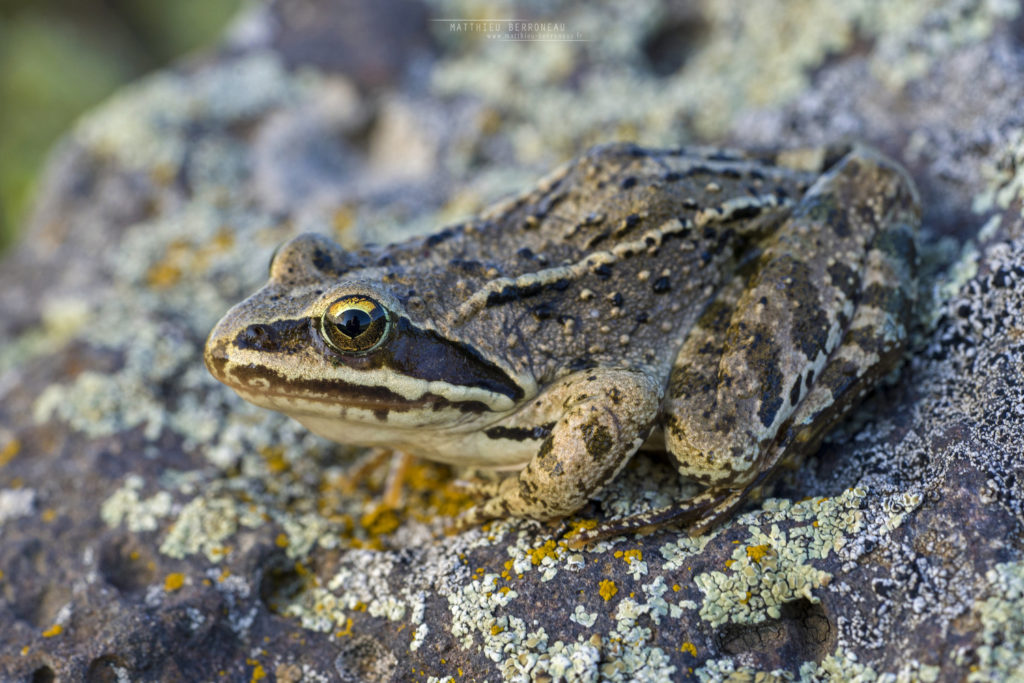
735,305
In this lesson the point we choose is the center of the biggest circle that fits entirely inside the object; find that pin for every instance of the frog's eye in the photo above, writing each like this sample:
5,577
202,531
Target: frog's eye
355,324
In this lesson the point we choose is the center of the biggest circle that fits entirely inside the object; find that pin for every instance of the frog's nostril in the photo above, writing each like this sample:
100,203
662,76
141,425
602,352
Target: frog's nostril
255,337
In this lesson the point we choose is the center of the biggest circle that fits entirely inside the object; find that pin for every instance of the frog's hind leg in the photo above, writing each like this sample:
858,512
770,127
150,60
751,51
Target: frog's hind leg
783,354
823,314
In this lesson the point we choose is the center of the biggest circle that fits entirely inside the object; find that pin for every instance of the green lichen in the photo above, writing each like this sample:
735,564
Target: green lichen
843,665
145,127
752,55
718,670
770,569
125,506
202,526
1001,654
1004,177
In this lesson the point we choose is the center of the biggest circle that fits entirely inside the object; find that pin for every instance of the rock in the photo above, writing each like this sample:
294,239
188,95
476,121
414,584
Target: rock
155,527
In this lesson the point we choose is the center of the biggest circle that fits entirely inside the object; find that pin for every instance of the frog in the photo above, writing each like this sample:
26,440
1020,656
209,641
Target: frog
726,307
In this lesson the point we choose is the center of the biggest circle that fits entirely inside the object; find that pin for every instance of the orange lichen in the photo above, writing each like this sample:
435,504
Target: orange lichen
54,630
274,457
343,219
578,525
607,589
163,275
174,581
258,673
629,555
380,522
758,552
549,549
10,449
181,257
688,647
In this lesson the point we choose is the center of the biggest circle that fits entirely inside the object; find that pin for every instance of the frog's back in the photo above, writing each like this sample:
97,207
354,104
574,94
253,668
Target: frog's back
607,262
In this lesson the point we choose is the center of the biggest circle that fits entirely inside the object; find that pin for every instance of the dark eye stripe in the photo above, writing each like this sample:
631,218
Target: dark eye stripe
425,355
410,351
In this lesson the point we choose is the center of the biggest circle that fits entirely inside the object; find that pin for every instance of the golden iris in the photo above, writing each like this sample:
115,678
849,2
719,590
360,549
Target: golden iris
355,324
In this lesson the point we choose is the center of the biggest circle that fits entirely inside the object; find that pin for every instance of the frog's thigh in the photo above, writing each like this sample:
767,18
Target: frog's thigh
850,232
690,402
874,339
607,416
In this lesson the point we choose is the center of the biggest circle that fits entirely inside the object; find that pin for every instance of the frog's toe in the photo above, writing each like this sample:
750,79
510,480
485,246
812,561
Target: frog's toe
479,490
475,516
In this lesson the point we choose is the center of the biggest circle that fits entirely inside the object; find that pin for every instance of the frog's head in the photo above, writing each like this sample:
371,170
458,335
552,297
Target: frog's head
328,342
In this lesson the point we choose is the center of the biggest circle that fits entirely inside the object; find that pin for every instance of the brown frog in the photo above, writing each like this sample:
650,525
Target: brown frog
726,307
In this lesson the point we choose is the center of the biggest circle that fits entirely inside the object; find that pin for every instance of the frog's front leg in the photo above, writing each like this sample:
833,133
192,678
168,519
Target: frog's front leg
603,416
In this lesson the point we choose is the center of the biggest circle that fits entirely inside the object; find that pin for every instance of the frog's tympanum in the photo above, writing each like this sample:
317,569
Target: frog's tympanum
728,308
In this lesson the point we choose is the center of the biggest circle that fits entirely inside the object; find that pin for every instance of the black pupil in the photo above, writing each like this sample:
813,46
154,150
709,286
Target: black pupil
354,322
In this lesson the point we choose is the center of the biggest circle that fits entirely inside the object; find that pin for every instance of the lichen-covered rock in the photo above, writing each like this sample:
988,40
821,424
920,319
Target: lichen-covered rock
155,527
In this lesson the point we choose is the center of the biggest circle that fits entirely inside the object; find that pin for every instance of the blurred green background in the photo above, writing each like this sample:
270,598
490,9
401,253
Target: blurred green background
60,57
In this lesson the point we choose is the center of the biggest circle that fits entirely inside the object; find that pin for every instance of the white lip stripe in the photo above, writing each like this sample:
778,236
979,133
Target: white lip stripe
409,388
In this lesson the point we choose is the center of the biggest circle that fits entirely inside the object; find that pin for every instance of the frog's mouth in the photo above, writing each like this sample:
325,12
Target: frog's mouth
322,397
